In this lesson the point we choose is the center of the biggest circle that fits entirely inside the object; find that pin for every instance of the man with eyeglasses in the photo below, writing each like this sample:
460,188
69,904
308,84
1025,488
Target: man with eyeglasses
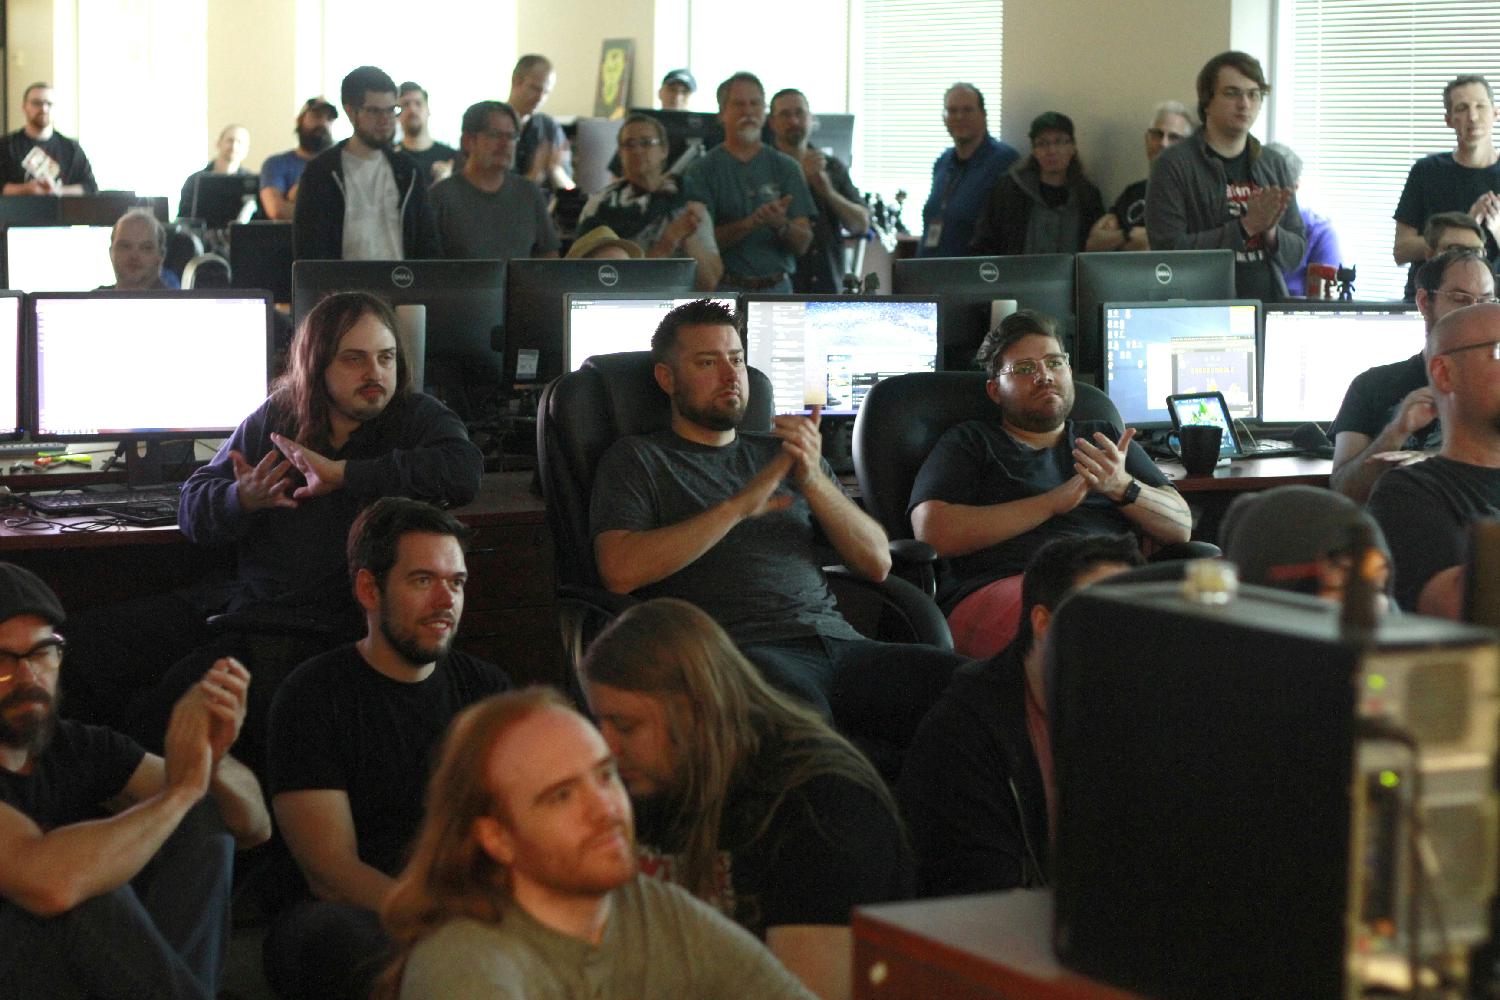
37,159
993,492
1446,231
362,199
1221,189
1465,180
1123,227
487,211
963,176
647,205
1389,415
1425,509
134,904
821,269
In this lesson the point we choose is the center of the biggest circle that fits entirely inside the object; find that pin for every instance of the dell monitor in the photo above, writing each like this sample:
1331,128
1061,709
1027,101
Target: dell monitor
465,303
830,350
1143,276
968,288
260,256
147,366
1311,351
57,258
607,323
534,303
1158,349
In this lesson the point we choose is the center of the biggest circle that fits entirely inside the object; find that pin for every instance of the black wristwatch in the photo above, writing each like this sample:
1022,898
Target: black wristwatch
1131,492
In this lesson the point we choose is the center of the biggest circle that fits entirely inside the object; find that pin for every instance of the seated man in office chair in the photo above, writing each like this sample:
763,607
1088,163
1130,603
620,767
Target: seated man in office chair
994,491
727,521
342,428
137,247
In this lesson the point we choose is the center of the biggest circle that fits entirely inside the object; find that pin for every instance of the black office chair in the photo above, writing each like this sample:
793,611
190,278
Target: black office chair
580,415
207,270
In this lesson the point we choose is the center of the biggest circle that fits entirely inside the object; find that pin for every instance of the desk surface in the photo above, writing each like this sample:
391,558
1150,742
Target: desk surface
1249,474
996,944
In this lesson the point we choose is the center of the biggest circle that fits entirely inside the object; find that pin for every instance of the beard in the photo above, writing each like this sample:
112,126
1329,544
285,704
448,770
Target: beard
34,730
314,139
711,417
412,649
1043,415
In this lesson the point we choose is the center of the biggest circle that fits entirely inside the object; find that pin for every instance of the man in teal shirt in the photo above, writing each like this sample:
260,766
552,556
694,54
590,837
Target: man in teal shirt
757,196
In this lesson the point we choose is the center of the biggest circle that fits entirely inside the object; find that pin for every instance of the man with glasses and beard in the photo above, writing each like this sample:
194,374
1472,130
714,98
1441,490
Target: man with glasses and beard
992,492
352,732
136,903
279,174
362,199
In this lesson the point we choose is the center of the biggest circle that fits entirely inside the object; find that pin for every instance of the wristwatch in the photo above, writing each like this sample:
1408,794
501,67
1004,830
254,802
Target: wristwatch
1131,492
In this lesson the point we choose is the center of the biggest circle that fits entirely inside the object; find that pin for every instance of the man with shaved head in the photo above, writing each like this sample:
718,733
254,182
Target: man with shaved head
1425,509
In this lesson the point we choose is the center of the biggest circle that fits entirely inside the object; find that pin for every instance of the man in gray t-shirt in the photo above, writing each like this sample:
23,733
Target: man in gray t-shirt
727,521
488,212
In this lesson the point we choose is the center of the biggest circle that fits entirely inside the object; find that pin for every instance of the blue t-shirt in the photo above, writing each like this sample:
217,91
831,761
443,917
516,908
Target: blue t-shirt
282,171
732,190
959,191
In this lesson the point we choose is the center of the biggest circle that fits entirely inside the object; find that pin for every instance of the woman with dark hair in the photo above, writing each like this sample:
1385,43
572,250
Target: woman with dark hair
1045,204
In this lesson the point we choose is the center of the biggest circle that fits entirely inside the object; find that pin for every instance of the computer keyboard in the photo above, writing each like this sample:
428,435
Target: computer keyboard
14,449
63,504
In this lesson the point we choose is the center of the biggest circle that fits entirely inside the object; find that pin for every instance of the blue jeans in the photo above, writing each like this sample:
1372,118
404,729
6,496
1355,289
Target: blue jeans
164,935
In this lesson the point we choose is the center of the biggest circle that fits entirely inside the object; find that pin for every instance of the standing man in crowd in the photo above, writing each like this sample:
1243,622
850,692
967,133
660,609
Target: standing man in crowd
36,159
487,211
647,205
677,90
435,158
362,200
964,176
1123,227
280,174
115,870
137,247
760,204
541,146
1464,180
1223,189
353,732
821,269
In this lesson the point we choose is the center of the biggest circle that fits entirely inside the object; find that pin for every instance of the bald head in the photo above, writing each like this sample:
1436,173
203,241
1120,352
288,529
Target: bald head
1476,324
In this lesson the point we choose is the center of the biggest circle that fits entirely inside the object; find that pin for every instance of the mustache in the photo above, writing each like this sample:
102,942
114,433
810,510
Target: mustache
30,692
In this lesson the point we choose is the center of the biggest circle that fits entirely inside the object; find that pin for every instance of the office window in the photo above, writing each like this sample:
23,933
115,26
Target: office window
1360,87
787,43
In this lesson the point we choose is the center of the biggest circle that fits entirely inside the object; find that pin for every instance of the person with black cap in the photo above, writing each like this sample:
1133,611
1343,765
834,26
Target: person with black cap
1044,204
677,90
280,174
135,904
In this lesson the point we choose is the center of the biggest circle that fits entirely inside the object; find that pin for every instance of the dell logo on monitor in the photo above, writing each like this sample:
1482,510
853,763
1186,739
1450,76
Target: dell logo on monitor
989,272
609,276
1163,274
402,277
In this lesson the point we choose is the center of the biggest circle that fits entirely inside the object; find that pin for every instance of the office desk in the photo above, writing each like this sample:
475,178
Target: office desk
1210,496
995,946
510,615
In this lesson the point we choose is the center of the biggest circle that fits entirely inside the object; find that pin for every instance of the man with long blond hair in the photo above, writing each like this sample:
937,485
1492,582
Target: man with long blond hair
745,796
523,880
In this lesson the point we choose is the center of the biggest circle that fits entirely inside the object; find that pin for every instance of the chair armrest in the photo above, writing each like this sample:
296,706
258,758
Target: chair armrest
915,562
583,612
917,614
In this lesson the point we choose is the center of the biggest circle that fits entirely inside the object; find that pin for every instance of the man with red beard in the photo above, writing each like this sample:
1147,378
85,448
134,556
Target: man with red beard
994,491
134,904
352,732
524,882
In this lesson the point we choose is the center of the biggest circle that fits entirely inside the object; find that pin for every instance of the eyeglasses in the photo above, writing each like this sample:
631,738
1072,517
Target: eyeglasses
1493,347
43,658
1162,135
1031,367
384,111
498,134
1462,299
640,143
1253,95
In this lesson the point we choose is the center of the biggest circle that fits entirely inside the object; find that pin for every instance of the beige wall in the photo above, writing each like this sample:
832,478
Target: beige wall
1105,65
252,74
30,30
571,34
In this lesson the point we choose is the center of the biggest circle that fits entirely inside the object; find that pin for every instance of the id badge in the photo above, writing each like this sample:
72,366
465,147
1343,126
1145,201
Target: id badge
934,234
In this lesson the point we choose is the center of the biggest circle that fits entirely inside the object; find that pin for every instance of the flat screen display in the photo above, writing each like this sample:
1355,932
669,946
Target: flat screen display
608,324
1153,350
57,258
1310,355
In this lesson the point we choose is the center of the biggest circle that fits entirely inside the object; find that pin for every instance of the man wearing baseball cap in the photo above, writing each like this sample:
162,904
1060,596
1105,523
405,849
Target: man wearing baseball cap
134,904
280,174
677,90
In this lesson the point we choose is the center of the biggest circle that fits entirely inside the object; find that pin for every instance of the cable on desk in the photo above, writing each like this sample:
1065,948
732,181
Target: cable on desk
28,523
90,525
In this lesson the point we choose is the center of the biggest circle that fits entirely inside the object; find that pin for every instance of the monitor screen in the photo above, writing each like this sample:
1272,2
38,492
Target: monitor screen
57,258
218,199
1311,352
534,303
967,287
260,256
149,364
607,324
832,349
10,363
1143,276
1158,349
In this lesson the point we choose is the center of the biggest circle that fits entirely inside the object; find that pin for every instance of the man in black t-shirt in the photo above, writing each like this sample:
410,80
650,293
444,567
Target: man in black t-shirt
352,732
1123,227
114,870
1389,412
435,158
35,159
1426,509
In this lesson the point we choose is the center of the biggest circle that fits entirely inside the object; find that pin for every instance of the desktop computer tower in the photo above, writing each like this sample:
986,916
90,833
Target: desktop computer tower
1226,824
